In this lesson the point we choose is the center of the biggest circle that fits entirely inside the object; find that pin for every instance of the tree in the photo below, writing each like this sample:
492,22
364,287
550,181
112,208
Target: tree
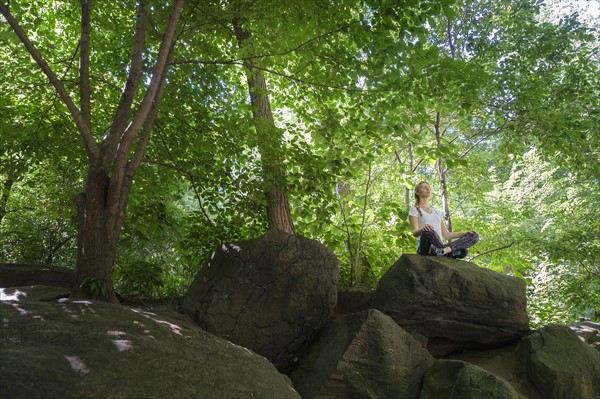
278,203
114,158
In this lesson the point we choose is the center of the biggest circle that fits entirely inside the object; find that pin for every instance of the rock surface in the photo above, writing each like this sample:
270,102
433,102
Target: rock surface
34,293
455,304
561,365
271,294
453,379
92,349
588,332
506,362
362,355
354,300
20,275
78,349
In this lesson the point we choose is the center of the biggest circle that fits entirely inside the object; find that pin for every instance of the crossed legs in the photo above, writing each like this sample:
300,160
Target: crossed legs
430,238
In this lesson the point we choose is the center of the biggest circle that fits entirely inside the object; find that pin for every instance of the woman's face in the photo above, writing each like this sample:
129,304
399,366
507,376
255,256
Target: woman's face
424,190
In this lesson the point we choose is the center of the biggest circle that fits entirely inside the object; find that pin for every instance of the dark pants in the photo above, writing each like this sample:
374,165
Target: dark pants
431,237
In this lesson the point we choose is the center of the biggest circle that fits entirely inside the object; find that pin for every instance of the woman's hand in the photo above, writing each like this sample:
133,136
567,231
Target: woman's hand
427,227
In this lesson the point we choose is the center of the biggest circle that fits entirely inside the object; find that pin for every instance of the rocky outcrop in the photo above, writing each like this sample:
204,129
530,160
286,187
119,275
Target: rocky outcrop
80,349
453,379
362,355
33,293
92,349
561,365
354,300
588,332
455,304
21,275
271,294
506,362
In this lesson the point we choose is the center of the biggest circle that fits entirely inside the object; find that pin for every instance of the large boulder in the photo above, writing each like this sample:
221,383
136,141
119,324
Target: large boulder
455,304
506,362
81,349
362,355
588,332
34,293
271,294
20,275
354,300
453,379
561,365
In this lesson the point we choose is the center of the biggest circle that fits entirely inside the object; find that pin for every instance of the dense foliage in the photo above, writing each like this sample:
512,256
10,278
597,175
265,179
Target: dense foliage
494,102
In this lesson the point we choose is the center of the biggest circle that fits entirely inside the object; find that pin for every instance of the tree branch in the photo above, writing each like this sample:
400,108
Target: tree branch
122,173
193,178
84,63
286,76
482,139
124,107
157,76
493,250
298,47
88,139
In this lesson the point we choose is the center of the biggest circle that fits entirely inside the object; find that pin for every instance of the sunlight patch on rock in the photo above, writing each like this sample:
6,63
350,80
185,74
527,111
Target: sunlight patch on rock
174,327
21,311
11,294
77,364
122,344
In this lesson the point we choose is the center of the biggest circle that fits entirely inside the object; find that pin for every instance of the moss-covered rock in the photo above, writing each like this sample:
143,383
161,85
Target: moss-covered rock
80,349
362,355
453,379
271,294
561,365
455,304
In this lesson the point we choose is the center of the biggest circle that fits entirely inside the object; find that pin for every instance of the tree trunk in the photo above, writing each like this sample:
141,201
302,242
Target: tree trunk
278,211
442,175
279,216
96,242
4,196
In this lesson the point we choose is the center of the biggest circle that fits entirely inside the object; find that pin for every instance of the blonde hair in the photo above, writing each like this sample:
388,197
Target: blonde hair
417,198
417,188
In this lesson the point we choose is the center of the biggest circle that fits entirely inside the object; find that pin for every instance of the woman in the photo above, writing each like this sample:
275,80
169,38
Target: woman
428,227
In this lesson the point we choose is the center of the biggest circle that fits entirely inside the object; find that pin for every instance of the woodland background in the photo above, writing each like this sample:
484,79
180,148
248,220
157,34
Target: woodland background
495,103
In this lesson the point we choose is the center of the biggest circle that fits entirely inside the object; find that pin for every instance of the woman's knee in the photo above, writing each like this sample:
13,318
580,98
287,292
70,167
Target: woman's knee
471,238
429,235
474,237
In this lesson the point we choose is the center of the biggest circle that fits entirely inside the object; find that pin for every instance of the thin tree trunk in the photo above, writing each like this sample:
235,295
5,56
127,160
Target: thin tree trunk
279,216
357,259
438,137
4,197
442,174
411,162
343,190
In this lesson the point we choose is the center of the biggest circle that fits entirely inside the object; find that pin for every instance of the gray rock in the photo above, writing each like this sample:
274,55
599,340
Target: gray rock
20,275
86,349
561,365
271,294
455,304
453,379
506,362
588,332
34,293
362,355
354,300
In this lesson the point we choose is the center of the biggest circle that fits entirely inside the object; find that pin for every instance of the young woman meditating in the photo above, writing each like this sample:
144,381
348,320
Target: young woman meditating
428,227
